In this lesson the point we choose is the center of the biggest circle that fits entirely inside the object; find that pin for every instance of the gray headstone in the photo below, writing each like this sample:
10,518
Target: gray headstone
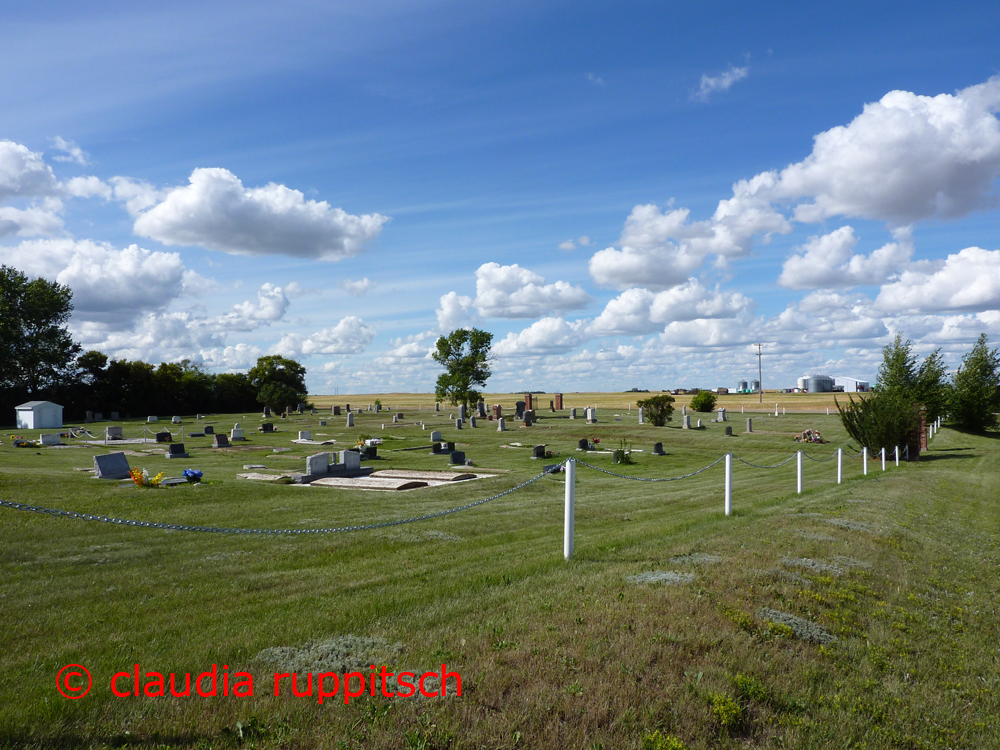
267,427
302,407
209,430
322,423
583,444
641,416
175,420
658,449
114,416
177,451
687,422
164,437
395,418
111,466
457,457
458,423
318,463
437,406
335,411
722,414
220,441
472,421
98,416
350,419
461,411
305,435
501,424
267,412
699,424
481,409
52,438
114,433
729,430
313,411
236,433
572,413
526,418
749,424
90,416
436,436
152,419
349,459
538,451
684,410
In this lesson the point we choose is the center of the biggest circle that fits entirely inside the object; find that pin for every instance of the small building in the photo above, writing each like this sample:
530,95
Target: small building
816,384
852,385
722,391
39,415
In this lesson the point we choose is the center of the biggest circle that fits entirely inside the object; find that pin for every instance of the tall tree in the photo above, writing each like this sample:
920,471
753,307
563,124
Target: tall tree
36,350
465,355
898,371
976,395
279,381
931,387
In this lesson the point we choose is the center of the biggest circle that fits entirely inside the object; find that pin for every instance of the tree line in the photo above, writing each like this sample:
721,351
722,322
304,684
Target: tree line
39,361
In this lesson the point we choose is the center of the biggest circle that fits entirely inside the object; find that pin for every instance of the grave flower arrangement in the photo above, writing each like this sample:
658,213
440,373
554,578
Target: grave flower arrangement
192,475
142,479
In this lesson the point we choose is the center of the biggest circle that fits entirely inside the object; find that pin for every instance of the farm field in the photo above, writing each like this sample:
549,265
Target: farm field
854,615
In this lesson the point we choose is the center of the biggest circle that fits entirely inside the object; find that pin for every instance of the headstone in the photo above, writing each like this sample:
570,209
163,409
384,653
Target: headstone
395,418
684,410
347,407
528,401
699,424
302,407
111,466
236,433
501,424
164,437
658,449
481,408
538,451
318,464
351,460
114,416
267,412
177,451
201,416
497,411
114,433
530,413
436,436
52,438
526,420
472,421
729,430
437,406
552,405
350,419
152,419
641,416
591,413
378,408
90,416
220,441
436,447
313,412
749,424
687,422
458,423
98,416
305,435
335,411
450,445
559,402
583,444
175,420
722,414
322,423
461,411
267,427
400,415
519,410
196,434
209,429
572,413
457,457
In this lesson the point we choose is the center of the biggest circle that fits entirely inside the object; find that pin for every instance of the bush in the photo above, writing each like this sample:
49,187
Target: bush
976,395
882,420
657,409
703,401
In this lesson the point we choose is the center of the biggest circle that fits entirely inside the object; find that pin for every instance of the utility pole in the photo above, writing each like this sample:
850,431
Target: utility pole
760,380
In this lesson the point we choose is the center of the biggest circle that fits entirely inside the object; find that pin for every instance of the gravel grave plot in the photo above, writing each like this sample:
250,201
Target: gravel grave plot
695,558
804,629
817,566
662,576
850,562
846,523
340,654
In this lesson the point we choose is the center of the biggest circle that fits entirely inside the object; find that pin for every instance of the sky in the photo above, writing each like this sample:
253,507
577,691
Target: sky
626,195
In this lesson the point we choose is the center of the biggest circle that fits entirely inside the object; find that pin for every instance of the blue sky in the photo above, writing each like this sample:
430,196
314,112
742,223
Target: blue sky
626,195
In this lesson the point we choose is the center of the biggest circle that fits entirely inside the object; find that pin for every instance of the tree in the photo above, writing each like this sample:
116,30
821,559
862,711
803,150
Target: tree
884,419
703,401
976,394
932,388
657,408
36,350
898,369
465,355
279,382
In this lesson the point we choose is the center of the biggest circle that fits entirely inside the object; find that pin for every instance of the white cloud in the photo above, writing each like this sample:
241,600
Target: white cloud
966,281
239,357
567,245
828,262
638,311
571,244
247,316
110,286
350,336
454,311
904,158
217,212
24,173
70,151
515,292
721,82
38,219
596,80
358,288
545,336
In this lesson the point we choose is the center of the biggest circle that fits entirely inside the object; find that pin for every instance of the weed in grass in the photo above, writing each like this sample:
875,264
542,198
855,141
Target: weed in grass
728,714
657,741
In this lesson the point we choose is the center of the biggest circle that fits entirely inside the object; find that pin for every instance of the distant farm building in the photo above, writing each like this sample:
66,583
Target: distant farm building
722,391
853,385
39,415
816,384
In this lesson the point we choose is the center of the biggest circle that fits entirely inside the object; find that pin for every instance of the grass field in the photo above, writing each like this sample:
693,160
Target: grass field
858,615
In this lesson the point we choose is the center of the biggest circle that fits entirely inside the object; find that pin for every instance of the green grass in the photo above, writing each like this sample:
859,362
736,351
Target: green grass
552,653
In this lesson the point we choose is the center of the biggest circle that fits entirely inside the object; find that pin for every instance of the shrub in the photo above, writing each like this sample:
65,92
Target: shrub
882,420
703,401
976,395
657,409
657,741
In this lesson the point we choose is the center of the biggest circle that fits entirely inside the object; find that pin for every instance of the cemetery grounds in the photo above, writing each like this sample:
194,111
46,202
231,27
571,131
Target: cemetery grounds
858,615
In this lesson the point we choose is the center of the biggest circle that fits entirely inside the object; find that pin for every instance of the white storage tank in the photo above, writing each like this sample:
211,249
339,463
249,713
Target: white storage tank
818,384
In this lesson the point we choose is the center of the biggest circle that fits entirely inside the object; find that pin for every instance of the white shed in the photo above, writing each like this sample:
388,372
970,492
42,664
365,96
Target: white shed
39,415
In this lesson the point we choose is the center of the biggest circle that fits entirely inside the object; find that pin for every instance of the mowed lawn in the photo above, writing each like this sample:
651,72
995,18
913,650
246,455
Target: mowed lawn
671,620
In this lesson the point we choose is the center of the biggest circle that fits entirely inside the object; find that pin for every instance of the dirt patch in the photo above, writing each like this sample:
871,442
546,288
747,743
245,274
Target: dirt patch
695,558
340,654
802,628
816,566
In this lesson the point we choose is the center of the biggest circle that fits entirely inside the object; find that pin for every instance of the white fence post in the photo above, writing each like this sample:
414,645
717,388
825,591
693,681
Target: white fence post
864,460
840,465
798,472
883,458
570,508
729,484
897,455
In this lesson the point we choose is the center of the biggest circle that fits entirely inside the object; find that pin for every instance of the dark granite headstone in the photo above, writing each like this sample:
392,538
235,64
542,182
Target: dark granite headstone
177,451
538,451
209,429
583,444
729,430
164,437
658,449
519,410
457,457
221,441
111,466
451,445
267,427
336,411
267,412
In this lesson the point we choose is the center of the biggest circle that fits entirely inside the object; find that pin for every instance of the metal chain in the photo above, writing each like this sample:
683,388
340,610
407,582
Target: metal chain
819,460
645,479
266,532
759,466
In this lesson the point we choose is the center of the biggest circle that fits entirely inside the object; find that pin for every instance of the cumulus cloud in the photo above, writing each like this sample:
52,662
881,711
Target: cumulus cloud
545,336
454,311
721,82
358,288
639,311
965,281
350,336
247,316
571,244
238,357
24,173
515,292
829,262
69,151
216,211
40,219
110,286
826,319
